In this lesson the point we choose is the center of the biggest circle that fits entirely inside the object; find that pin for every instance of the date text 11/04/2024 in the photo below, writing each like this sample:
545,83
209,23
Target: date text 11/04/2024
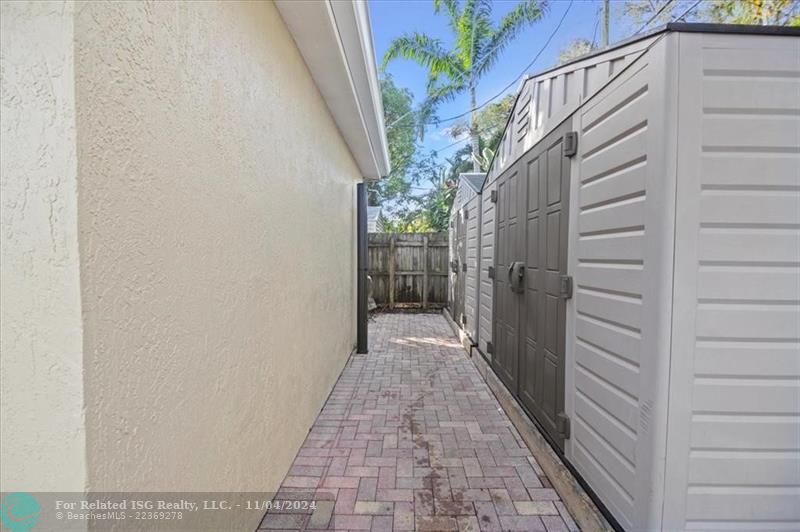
188,506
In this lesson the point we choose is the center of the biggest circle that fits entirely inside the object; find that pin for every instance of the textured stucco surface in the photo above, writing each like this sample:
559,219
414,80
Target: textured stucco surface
217,231
41,403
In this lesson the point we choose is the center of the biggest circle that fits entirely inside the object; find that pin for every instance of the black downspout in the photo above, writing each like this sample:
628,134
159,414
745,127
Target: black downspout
362,287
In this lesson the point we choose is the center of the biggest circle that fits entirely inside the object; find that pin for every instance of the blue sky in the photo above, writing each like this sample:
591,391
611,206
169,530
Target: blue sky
390,18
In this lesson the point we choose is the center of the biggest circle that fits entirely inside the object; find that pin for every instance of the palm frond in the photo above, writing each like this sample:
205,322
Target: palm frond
474,24
451,6
432,83
435,89
426,51
463,36
526,13
437,94
483,29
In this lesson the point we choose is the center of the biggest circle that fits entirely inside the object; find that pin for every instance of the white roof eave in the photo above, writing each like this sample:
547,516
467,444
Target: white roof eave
335,40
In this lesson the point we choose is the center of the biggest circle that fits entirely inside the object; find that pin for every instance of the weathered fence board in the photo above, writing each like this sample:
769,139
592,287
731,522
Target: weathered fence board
408,269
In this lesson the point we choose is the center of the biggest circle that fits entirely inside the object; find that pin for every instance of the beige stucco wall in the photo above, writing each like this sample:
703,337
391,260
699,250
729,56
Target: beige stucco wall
41,400
217,244
211,224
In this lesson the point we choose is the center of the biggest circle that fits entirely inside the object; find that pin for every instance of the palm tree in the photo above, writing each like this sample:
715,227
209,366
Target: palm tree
477,45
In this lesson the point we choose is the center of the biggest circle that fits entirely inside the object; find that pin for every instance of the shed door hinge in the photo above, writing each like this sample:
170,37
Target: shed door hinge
464,267
563,425
489,348
570,144
466,213
491,272
493,196
565,287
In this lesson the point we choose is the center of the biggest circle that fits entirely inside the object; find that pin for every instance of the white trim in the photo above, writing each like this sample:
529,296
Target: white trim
335,40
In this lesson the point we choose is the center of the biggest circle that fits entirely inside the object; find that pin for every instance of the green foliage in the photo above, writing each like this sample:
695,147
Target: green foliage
405,209
459,163
430,209
657,12
419,193
491,121
573,50
398,110
759,12
478,43
762,12
495,115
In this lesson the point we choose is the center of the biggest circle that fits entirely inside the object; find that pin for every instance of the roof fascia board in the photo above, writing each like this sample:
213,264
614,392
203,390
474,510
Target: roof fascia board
373,97
681,27
331,39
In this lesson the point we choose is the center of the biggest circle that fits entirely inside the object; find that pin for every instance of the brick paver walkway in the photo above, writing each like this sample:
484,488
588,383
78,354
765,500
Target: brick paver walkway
411,438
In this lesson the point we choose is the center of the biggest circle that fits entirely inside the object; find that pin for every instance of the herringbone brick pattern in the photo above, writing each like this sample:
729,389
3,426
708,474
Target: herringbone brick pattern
411,438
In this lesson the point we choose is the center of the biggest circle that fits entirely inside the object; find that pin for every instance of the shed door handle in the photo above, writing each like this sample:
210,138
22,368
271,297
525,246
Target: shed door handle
515,281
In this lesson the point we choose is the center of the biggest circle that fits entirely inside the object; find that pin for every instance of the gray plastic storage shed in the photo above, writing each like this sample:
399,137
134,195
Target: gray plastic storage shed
465,223
642,221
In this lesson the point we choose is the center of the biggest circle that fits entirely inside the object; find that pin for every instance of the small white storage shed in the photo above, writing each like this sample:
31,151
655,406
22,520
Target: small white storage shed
640,273
465,223
374,220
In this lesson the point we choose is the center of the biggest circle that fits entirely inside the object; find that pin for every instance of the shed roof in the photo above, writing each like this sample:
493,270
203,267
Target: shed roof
474,180
683,27
535,113
373,216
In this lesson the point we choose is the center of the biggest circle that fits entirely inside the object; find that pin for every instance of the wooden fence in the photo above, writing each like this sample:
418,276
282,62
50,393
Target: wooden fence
409,270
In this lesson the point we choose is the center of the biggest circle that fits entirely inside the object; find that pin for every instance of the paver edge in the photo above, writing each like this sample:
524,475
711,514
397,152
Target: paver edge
580,506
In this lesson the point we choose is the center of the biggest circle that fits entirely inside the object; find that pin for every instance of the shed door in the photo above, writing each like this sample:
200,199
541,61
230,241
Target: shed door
461,262
462,259
506,301
531,316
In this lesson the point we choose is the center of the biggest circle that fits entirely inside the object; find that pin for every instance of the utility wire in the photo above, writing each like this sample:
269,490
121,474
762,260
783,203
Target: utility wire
502,91
657,13
524,70
651,19
463,140
596,25
688,10
460,72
